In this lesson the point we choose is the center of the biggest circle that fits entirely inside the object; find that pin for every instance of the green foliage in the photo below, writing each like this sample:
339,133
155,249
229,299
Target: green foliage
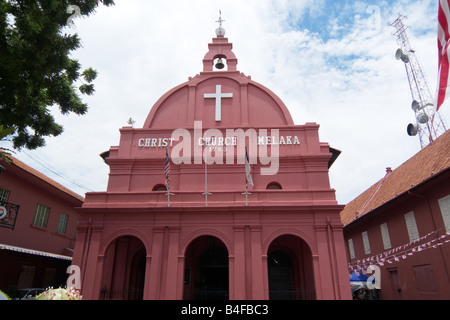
36,71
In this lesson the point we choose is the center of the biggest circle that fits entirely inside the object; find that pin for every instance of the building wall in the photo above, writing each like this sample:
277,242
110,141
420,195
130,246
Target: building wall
246,234
422,274
27,190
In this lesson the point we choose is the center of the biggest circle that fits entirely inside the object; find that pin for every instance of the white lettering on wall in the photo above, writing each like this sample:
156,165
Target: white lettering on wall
155,142
219,141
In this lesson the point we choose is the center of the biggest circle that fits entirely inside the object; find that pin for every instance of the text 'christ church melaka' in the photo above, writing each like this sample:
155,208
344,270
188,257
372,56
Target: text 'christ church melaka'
218,237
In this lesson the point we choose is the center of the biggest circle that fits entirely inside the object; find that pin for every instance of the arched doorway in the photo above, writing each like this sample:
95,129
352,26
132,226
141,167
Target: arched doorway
290,269
206,270
123,274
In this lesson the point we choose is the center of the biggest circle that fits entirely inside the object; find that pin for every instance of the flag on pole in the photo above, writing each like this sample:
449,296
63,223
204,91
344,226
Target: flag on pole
247,169
443,52
167,168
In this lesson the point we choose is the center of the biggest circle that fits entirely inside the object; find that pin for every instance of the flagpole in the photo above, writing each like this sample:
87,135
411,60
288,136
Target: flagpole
168,194
246,194
206,193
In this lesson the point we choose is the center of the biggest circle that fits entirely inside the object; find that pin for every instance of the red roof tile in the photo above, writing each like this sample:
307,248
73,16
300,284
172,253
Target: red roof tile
16,162
429,161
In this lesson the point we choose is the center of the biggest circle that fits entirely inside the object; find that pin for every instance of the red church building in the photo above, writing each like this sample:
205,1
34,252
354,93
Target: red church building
229,226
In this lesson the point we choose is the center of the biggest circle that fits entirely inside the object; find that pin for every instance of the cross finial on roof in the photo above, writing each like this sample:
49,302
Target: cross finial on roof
220,32
220,19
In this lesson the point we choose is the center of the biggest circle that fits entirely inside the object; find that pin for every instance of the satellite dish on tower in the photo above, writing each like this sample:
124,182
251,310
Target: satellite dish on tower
399,55
415,105
423,118
428,125
412,130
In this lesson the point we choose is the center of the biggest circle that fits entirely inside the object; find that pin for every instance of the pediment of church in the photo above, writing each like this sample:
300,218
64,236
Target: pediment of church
220,99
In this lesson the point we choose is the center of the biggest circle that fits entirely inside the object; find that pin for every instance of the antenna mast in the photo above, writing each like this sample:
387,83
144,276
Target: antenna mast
429,124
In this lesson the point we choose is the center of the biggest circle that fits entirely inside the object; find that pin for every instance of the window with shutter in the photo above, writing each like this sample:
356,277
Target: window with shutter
41,216
444,205
4,194
411,225
366,243
385,236
351,249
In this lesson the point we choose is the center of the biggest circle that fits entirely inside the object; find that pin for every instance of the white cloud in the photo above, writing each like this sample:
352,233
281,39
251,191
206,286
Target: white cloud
348,80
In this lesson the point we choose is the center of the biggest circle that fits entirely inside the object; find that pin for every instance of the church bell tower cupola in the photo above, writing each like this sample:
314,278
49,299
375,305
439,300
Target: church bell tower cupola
220,56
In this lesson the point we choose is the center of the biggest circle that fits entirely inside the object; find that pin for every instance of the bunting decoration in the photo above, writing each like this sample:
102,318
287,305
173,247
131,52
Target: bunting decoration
399,253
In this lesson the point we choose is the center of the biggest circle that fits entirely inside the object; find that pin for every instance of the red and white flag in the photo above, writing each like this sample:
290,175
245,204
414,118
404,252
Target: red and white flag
444,52
248,176
167,169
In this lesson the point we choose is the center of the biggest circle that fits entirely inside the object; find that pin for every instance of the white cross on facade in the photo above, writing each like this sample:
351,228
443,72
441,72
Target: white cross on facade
218,96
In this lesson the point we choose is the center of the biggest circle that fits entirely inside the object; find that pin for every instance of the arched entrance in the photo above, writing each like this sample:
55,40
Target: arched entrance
124,270
290,269
206,270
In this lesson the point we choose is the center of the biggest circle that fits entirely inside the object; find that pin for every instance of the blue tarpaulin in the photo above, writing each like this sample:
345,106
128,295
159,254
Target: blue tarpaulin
361,277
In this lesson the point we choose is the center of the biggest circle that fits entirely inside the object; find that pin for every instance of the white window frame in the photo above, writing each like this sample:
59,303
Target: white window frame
385,236
4,195
62,223
444,205
411,226
351,249
41,216
366,243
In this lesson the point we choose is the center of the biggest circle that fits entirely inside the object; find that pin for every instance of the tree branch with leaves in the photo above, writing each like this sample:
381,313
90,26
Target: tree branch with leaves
36,71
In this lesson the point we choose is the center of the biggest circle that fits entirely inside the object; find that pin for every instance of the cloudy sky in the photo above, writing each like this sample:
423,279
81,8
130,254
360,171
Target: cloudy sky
331,62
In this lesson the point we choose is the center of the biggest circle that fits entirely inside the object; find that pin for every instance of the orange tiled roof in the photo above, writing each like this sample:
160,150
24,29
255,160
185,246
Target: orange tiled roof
16,162
429,161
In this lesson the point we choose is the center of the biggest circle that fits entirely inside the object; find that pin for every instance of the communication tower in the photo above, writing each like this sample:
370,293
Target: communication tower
429,125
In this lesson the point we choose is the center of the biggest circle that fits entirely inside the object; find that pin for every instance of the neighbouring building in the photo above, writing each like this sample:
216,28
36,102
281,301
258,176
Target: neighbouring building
38,223
216,232
402,225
